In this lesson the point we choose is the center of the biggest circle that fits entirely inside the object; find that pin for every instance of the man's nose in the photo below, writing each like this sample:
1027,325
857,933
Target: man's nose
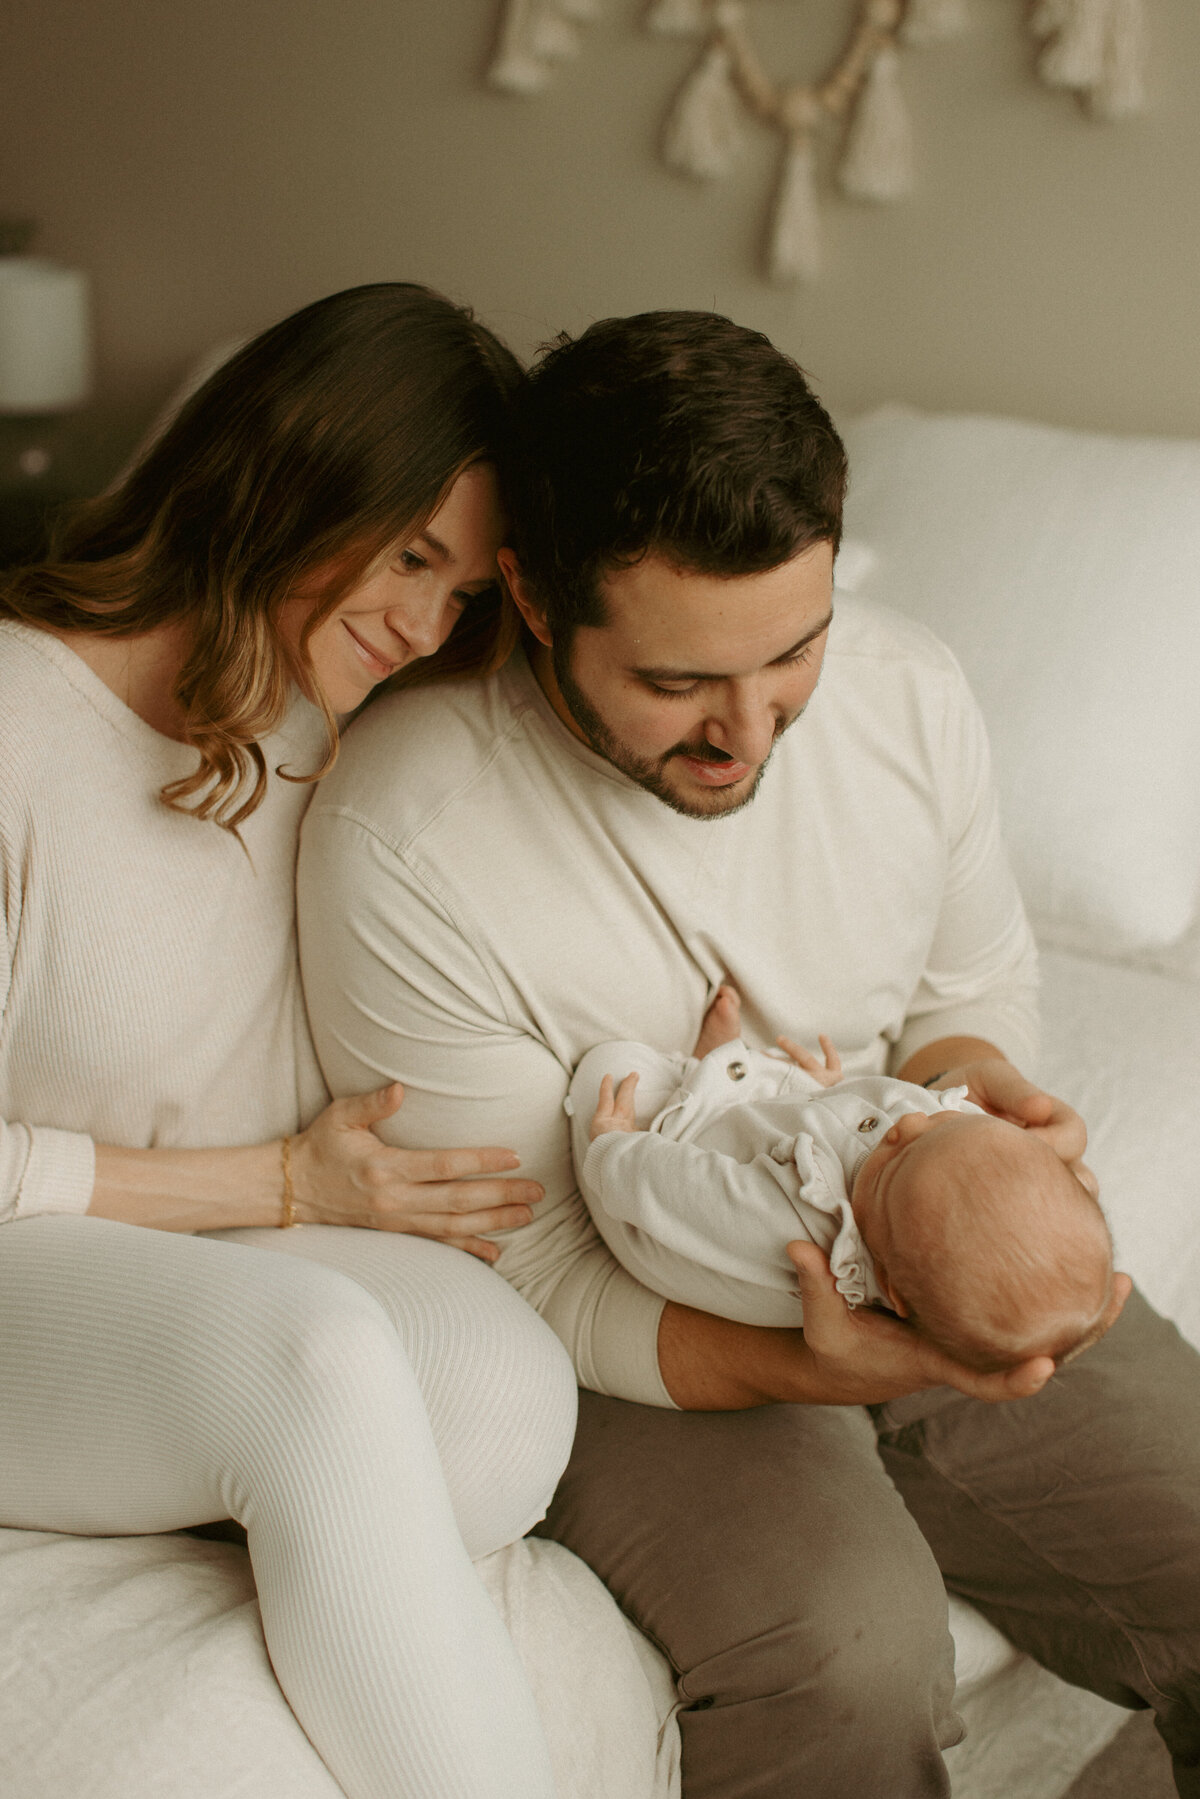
745,728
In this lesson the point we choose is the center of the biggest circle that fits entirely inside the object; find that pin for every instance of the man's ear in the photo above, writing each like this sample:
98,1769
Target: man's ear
522,598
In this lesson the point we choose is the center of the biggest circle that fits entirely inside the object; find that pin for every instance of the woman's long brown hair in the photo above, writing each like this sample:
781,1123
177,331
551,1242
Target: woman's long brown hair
310,451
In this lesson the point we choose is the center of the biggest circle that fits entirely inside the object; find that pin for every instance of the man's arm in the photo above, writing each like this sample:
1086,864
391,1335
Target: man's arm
841,1357
979,984
993,1083
398,989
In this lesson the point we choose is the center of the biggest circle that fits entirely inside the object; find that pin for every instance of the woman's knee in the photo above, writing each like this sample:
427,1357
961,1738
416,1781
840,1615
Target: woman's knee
495,1381
311,1358
502,1401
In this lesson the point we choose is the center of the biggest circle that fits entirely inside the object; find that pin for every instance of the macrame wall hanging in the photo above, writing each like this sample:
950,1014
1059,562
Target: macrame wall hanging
1093,48
535,36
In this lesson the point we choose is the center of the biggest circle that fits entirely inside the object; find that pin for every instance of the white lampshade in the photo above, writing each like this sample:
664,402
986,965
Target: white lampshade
45,336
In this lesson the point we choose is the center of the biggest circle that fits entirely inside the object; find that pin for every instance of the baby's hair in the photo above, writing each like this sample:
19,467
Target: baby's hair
1007,1256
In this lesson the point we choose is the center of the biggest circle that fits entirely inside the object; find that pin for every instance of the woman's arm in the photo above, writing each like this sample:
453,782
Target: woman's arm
341,1174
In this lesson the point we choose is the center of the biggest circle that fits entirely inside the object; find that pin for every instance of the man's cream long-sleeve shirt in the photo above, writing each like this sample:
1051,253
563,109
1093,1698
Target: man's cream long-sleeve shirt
482,899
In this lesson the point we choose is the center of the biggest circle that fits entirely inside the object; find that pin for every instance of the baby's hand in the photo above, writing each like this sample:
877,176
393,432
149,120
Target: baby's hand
827,1076
614,1111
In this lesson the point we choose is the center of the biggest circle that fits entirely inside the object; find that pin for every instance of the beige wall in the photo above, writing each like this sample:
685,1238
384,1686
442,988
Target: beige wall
217,162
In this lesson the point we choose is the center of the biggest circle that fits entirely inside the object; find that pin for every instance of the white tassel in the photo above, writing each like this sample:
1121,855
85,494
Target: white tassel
878,159
1048,16
794,251
1075,56
702,135
518,73
554,38
535,35
514,68
1120,92
678,18
925,21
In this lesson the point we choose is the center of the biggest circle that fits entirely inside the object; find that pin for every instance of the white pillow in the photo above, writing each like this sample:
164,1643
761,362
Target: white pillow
1063,568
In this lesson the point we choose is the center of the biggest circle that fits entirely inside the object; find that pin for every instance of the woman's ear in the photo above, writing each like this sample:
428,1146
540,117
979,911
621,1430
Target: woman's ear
522,599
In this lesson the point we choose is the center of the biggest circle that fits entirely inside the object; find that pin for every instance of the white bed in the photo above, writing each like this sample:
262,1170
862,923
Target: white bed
1065,570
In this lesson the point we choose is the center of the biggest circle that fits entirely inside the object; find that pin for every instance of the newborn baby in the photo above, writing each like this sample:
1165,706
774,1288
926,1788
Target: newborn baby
699,1170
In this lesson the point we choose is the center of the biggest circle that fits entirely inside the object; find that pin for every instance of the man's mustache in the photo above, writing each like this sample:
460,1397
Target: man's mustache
708,752
699,752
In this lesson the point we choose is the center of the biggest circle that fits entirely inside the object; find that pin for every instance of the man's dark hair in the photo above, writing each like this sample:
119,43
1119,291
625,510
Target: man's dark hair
678,434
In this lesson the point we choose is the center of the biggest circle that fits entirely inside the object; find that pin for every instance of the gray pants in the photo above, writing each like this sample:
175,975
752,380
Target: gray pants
798,1590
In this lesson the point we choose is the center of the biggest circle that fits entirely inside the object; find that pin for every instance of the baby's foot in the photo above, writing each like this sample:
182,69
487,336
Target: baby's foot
722,1021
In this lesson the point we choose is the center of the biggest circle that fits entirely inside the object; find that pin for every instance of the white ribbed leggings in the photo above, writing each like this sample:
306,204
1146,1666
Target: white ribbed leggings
365,1404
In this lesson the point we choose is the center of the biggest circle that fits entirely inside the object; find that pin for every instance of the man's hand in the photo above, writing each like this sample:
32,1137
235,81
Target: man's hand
1004,1091
614,1111
864,1357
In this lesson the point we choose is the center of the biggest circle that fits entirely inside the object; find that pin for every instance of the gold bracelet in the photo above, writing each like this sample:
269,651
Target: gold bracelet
288,1216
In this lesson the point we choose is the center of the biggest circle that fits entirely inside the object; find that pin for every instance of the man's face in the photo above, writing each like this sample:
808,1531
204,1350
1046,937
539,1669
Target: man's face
693,678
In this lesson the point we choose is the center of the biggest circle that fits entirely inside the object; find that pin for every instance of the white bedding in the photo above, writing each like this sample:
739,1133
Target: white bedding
1123,1045
135,1668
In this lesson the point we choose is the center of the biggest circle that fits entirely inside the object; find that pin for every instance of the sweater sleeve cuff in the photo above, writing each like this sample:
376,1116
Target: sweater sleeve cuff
47,1170
609,1324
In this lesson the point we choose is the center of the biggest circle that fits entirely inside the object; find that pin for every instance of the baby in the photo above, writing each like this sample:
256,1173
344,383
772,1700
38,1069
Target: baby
699,1170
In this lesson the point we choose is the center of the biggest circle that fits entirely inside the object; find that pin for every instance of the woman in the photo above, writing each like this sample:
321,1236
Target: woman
319,515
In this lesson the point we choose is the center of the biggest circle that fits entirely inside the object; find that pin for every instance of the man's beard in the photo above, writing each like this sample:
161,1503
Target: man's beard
648,772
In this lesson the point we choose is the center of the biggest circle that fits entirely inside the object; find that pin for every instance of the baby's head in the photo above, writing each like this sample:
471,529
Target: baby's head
984,1239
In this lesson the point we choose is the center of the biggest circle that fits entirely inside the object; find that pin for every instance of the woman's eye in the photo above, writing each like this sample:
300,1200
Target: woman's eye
409,561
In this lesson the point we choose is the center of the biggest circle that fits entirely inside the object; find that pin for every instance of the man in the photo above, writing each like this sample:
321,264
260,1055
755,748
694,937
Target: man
654,798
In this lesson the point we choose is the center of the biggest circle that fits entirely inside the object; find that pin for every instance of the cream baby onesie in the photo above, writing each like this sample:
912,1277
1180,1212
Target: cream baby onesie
740,1154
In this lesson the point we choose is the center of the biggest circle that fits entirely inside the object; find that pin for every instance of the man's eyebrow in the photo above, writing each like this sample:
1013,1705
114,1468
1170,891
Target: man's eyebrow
707,674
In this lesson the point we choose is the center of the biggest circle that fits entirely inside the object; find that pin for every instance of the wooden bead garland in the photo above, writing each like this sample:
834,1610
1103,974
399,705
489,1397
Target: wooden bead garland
1093,48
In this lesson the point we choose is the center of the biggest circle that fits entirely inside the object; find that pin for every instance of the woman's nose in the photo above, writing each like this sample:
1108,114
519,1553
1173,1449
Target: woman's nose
425,624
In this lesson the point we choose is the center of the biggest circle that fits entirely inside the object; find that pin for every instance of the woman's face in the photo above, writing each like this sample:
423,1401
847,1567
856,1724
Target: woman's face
406,605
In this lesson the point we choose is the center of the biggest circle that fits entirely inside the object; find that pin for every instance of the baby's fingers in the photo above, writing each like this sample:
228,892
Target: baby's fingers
803,1058
833,1062
623,1104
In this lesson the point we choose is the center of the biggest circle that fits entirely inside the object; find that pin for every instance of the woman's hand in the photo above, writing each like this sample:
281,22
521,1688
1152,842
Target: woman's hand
343,1174
1004,1091
864,1357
